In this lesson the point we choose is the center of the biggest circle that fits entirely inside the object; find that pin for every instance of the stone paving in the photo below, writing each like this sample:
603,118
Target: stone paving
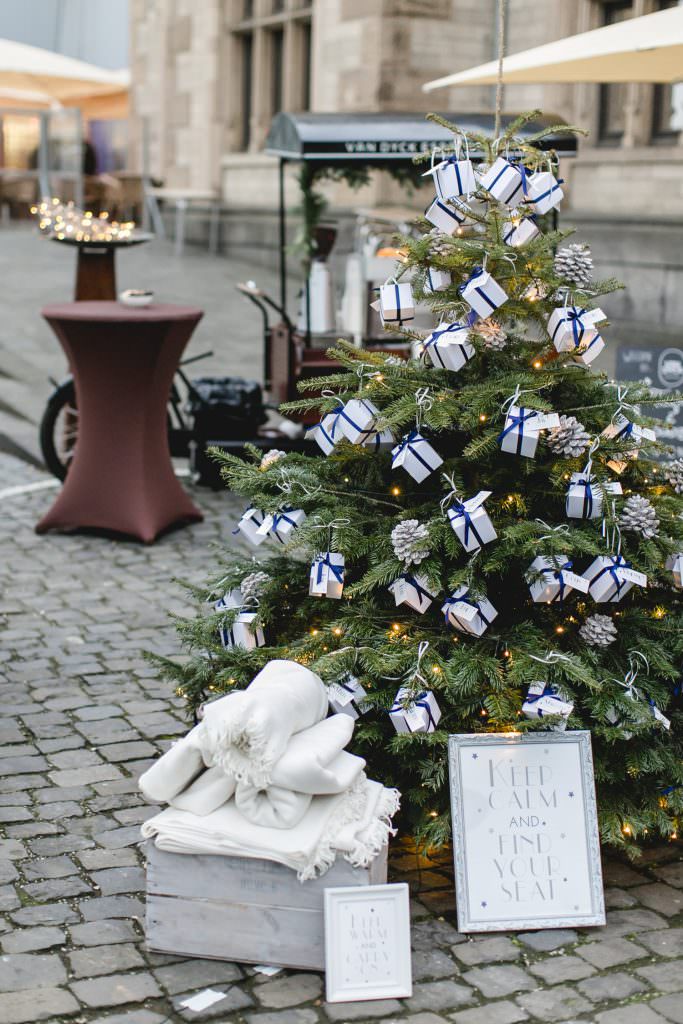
84,714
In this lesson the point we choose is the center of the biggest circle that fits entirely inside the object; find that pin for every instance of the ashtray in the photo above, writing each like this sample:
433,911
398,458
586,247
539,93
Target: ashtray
136,297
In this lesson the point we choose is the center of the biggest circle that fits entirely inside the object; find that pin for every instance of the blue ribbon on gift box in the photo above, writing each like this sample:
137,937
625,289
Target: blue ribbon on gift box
419,590
324,561
549,191
410,441
452,213
618,562
573,315
476,273
548,691
420,701
255,518
458,511
451,161
436,336
278,518
452,600
514,227
522,183
586,483
517,420
558,574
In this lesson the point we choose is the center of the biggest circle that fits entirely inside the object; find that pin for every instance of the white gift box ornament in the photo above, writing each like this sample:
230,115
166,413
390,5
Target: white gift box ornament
519,231
471,522
415,454
482,292
232,599
610,577
412,590
544,191
674,564
396,303
436,280
572,328
591,351
378,439
249,526
415,712
469,616
327,432
556,579
281,525
449,347
345,696
356,418
622,429
242,633
542,700
506,182
452,177
585,495
522,430
327,575
658,715
445,216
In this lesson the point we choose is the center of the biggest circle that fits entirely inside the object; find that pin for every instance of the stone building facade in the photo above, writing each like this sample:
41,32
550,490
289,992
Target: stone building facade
209,77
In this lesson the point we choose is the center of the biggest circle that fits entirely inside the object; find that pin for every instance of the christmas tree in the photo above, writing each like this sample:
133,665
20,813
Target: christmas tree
489,528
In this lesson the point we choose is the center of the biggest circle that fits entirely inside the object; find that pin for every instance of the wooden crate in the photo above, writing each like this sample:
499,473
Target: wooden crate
238,908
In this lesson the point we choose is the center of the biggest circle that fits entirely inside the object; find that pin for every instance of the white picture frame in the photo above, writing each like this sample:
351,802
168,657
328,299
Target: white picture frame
367,943
516,798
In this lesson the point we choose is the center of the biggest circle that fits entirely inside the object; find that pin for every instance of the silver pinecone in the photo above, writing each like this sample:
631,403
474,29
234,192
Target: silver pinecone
253,585
674,474
492,334
439,244
569,439
639,516
574,264
394,361
410,541
272,456
598,631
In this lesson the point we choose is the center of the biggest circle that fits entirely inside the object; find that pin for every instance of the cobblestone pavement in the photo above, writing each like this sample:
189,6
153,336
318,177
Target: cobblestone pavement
83,716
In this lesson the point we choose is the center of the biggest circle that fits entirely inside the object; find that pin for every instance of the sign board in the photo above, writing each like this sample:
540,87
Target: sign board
662,369
367,943
525,831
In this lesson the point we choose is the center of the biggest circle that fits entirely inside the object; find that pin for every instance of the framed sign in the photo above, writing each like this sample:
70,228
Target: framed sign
662,369
367,943
525,831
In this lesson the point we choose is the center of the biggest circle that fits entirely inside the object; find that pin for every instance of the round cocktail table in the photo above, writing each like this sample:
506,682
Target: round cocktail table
123,359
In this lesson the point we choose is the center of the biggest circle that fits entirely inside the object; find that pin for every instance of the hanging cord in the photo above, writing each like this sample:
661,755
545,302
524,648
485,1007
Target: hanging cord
408,678
330,527
499,77
424,403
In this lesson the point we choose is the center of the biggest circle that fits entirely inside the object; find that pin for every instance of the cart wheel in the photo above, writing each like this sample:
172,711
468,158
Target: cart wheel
59,429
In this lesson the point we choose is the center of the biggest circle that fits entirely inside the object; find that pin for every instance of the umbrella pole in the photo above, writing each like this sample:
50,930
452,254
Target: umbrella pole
501,53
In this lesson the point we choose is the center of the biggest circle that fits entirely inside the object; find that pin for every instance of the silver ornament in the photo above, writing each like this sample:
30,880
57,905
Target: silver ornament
569,439
639,516
410,541
253,585
492,334
439,244
574,264
674,474
598,631
271,457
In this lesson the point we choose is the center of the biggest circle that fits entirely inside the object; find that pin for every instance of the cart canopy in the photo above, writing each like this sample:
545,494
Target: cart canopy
386,138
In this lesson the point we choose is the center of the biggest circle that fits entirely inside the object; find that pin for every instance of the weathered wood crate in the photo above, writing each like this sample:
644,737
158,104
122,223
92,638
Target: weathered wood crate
237,908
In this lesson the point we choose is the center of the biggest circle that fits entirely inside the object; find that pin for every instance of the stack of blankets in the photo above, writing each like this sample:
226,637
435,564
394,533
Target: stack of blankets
265,774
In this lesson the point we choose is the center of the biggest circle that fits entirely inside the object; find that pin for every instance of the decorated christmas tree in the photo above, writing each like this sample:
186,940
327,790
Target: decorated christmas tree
486,536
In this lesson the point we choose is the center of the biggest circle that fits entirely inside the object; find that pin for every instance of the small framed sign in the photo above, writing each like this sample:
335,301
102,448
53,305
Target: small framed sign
525,831
367,943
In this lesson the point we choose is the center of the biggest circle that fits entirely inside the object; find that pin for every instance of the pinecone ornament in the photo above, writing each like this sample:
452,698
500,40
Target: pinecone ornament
410,540
271,457
674,474
439,244
394,361
253,585
569,439
598,631
574,264
639,516
492,334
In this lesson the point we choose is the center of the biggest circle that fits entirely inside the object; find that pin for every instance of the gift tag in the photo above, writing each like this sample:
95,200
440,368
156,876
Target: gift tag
339,695
465,611
659,716
545,420
577,582
612,487
413,717
632,576
472,504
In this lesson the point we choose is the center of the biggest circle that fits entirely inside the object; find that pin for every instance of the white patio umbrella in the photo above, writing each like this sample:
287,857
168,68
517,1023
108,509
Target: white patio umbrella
646,49
34,72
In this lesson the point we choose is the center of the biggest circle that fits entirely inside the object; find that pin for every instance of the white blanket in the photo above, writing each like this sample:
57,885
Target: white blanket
206,794
309,848
315,760
173,772
246,733
272,807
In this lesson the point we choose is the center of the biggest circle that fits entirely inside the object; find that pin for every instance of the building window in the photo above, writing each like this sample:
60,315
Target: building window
612,96
667,104
274,45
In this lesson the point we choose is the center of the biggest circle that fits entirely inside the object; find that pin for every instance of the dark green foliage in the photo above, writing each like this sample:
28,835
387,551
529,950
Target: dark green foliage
480,683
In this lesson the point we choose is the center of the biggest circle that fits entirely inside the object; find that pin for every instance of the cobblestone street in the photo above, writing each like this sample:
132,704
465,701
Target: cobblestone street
84,714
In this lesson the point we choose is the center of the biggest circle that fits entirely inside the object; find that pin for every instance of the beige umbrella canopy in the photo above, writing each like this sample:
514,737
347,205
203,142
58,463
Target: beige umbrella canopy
32,76
647,49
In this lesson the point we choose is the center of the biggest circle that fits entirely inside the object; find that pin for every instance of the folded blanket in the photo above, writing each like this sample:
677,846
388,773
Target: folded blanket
361,840
247,732
173,771
272,807
206,794
315,760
